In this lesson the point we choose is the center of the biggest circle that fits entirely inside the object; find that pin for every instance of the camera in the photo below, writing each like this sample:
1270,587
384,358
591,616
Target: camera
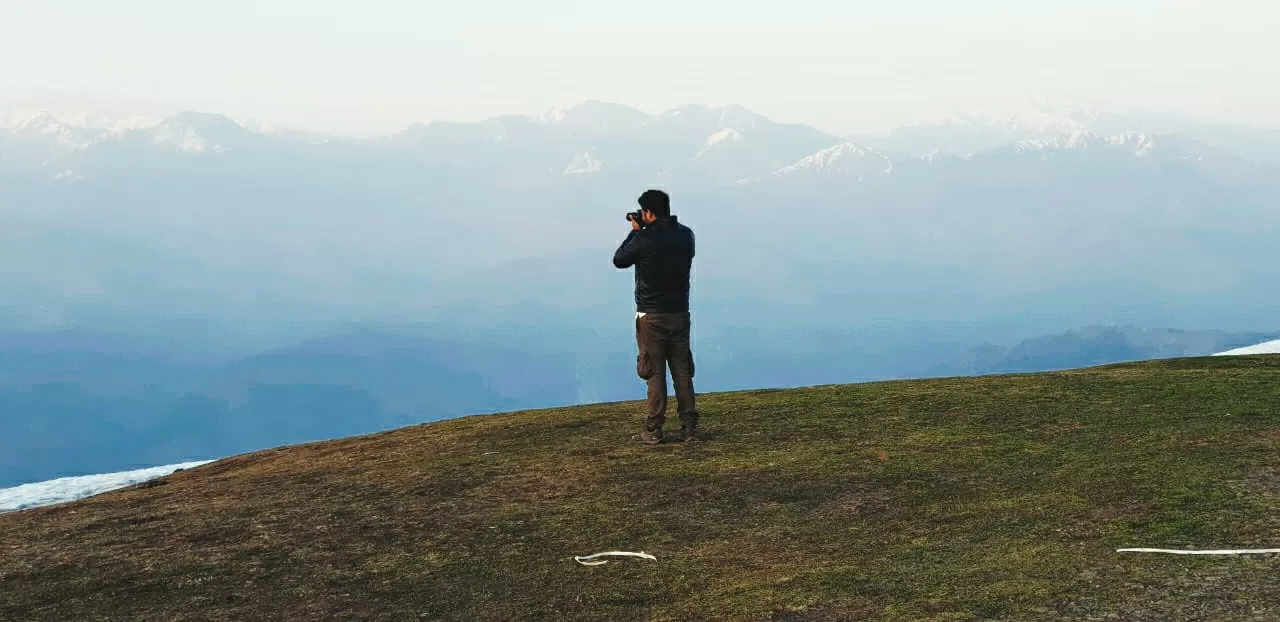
636,217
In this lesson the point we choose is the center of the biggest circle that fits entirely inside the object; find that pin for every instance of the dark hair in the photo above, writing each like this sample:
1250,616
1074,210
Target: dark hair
657,202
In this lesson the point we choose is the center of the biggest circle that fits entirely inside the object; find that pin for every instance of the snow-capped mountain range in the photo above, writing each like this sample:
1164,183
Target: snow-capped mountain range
688,144
1052,119
190,132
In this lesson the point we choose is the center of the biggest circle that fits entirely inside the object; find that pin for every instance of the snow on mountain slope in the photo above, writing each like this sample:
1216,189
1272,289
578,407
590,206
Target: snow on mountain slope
1144,149
199,132
729,135
67,489
726,156
966,133
1136,143
583,164
43,126
845,159
108,124
728,146
189,132
1268,347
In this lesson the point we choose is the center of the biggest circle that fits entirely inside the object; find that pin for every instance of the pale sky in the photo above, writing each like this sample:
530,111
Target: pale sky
374,66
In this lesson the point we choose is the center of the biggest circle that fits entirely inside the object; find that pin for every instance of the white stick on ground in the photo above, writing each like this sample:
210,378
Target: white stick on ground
1186,552
582,559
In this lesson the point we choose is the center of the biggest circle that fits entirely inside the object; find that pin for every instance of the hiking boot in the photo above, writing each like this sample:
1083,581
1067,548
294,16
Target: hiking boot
689,434
648,438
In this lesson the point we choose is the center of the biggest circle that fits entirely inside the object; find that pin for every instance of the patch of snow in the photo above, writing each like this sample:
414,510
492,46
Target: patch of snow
185,139
845,158
1077,139
26,117
721,138
583,164
556,114
67,489
48,127
1138,144
21,117
68,176
729,134
1268,347
935,156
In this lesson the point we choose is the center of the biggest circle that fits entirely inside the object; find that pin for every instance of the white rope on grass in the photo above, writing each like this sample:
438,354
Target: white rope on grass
582,559
1187,552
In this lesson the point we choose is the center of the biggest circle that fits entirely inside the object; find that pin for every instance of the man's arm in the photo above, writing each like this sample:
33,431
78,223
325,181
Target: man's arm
631,250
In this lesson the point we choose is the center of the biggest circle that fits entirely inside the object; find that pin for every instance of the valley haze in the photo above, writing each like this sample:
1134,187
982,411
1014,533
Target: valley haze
187,287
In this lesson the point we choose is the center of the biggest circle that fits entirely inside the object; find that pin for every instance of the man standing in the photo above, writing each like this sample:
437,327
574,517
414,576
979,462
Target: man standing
661,249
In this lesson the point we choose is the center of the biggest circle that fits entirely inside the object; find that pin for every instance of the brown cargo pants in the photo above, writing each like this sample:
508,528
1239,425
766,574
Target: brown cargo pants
663,339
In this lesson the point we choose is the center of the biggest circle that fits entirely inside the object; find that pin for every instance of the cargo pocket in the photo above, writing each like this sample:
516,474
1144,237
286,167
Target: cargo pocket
644,367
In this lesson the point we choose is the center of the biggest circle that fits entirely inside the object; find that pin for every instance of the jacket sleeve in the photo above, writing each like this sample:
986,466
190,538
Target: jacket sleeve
631,250
691,244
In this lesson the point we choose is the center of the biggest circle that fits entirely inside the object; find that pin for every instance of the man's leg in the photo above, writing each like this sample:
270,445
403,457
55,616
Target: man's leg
651,366
680,357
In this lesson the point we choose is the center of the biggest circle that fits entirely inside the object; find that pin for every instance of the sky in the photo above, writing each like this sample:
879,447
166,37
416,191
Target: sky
375,66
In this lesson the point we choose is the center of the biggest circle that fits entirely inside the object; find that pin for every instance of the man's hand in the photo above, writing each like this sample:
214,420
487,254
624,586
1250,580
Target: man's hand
635,224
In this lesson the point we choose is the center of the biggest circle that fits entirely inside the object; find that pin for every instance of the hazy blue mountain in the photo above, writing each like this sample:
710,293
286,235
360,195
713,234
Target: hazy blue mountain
100,404
1098,345
106,416
188,288
199,217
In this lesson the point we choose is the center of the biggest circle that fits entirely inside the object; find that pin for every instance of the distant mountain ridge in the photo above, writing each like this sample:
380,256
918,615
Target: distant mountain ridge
821,259
201,216
78,403
1099,345
693,144
1048,119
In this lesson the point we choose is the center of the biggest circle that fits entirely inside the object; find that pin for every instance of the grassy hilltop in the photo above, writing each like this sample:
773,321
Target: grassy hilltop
992,498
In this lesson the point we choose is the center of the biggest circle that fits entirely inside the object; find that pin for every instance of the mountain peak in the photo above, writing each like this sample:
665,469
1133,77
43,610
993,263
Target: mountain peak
200,132
48,127
33,119
842,159
1139,144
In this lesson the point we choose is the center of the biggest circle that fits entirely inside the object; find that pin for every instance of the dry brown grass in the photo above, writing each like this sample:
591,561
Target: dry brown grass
996,498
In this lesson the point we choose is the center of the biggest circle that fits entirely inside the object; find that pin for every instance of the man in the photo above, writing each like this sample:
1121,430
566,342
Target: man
661,249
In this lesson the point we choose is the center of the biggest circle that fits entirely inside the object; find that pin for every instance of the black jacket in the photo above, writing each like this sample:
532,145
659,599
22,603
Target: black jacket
662,254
